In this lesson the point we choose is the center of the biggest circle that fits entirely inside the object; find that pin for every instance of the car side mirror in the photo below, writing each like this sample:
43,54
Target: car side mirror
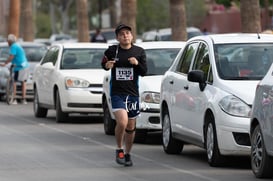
48,65
197,76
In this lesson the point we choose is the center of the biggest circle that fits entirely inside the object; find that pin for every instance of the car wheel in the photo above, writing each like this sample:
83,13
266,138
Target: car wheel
170,144
140,136
213,154
108,122
39,111
261,162
60,115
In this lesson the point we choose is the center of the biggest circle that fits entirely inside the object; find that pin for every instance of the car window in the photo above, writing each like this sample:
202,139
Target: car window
186,58
194,33
159,60
243,61
82,58
202,61
4,53
51,55
108,34
35,53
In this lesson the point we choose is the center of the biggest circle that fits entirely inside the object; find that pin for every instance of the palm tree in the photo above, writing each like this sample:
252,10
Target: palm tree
113,13
27,20
128,14
178,20
250,16
82,21
14,17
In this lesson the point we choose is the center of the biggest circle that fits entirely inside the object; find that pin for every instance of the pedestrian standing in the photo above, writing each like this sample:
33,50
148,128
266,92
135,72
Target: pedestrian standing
20,64
127,62
98,37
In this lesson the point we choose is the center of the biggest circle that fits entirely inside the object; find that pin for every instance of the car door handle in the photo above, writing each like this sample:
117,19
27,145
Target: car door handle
171,81
186,87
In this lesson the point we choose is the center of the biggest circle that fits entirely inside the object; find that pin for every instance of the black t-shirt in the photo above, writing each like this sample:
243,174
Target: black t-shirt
124,76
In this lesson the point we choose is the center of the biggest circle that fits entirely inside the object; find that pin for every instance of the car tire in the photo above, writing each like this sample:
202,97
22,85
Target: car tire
170,144
140,136
211,144
108,123
261,162
39,111
60,115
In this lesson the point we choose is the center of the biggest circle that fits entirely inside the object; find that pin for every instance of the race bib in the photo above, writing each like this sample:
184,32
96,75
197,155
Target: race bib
124,74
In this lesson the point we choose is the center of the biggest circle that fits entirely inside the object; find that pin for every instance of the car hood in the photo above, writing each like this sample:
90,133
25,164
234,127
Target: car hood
245,90
94,76
150,83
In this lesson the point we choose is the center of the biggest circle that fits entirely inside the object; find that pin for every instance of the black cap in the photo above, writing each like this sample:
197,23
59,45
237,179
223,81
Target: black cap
122,26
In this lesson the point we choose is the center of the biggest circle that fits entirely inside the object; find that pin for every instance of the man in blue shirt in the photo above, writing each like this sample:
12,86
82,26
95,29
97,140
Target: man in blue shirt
19,60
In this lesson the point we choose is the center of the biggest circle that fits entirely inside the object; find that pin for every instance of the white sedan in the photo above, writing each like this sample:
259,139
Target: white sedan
69,79
160,56
206,96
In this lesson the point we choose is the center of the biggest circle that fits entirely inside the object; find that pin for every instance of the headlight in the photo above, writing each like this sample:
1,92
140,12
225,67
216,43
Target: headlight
150,97
235,106
71,82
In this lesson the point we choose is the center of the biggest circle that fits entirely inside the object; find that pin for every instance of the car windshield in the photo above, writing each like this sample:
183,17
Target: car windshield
243,61
4,53
159,60
109,35
82,58
33,53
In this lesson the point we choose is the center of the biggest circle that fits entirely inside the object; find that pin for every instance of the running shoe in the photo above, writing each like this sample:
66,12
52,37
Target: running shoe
120,156
24,101
14,102
128,161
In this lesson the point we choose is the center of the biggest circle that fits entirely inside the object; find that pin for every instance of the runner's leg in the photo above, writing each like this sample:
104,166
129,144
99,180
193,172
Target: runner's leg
130,135
121,123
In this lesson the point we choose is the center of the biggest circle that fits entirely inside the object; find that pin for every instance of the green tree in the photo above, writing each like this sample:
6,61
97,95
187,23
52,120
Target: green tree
155,14
226,3
152,14
43,28
195,12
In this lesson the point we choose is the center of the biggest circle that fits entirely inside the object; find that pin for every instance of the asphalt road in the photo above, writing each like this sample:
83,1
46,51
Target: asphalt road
33,149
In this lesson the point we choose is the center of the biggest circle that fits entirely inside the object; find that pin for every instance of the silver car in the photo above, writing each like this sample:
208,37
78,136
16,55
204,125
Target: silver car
261,128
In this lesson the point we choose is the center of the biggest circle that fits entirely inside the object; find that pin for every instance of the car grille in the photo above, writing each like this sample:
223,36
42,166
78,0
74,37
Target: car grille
82,105
95,88
242,138
154,119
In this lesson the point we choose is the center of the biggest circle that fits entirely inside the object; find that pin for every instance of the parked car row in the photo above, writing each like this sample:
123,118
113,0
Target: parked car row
165,34
199,92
